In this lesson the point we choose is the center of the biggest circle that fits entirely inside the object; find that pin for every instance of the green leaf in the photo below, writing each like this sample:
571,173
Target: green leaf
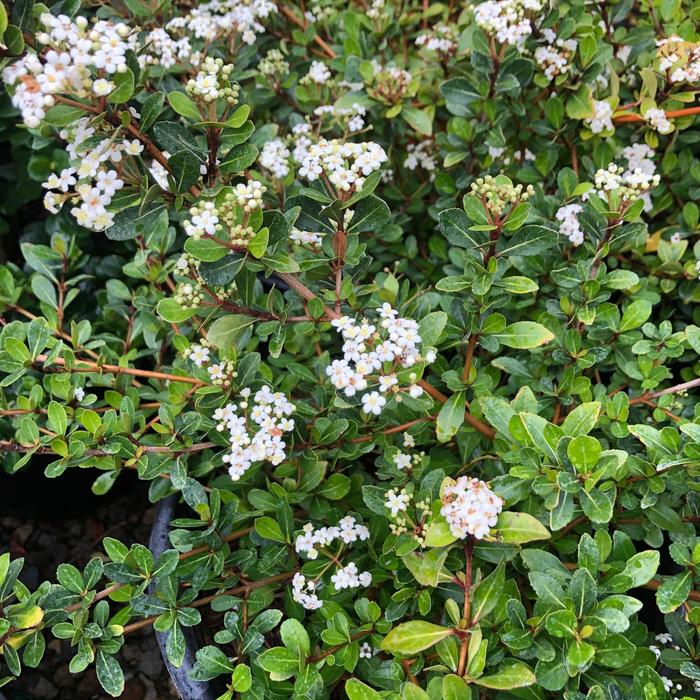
357,690
224,332
438,533
431,327
641,567
582,419
635,315
615,651
454,225
413,637
279,660
426,567
518,285
58,419
420,119
459,96
184,105
451,417
518,528
223,271
488,592
124,87
63,115
238,159
109,674
151,109
597,504
205,249
295,637
241,679
171,312
371,213
133,222
185,169
269,529
674,591
584,452
651,437
529,240
516,675
523,335
210,663
580,104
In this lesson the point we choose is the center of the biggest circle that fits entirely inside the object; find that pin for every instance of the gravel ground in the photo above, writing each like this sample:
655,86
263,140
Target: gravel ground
49,522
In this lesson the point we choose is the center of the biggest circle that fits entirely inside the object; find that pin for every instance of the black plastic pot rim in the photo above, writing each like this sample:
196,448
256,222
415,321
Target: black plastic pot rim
187,688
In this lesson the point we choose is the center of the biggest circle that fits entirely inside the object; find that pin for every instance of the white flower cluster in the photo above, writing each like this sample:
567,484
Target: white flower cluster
553,58
221,373
420,155
348,530
348,117
223,18
214,81
373,355
275,158
679,57
161,49
470,508
507,20
77,58
570,227
249,195
657,120
89,183
345,164
256,434
602,117
318,74
373,13
300,237
204,220
441,39
274,64
304,592
627,184
350,577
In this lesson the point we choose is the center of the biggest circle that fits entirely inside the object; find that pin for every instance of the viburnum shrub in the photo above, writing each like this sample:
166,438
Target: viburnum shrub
399,300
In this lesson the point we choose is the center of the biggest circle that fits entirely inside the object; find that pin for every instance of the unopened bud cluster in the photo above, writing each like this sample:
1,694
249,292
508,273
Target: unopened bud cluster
274,64
500,193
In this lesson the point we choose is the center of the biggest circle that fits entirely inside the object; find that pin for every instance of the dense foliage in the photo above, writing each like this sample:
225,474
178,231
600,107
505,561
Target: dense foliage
399,298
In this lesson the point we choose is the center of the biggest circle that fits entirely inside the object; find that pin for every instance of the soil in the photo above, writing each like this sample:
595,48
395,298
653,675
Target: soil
53,521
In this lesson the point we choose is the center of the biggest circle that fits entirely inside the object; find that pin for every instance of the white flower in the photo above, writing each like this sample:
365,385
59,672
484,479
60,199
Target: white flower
601,119
102,87
349,577
303,592
319,73
79,394
658,120
570,227
401,459
373,403
397,502
366,651
470,508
